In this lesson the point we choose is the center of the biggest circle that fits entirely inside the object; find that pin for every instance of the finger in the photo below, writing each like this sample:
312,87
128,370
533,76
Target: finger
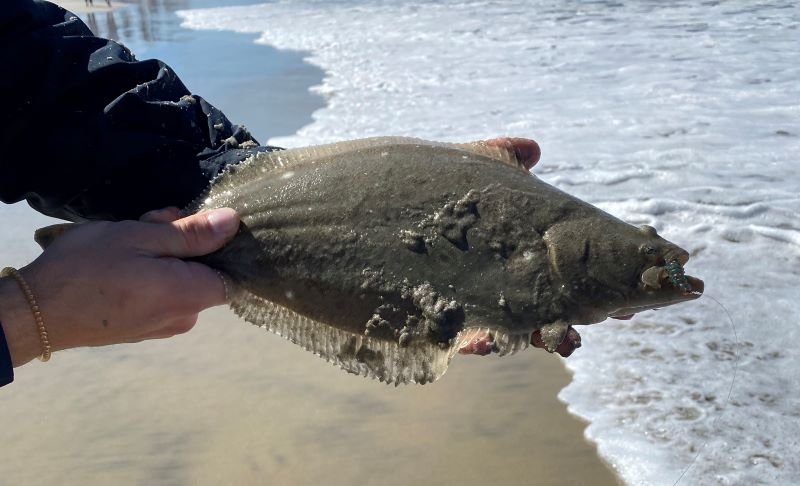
195,235
475,341
196,287
180,325
525,150
165,215
203,288
177,326
571,342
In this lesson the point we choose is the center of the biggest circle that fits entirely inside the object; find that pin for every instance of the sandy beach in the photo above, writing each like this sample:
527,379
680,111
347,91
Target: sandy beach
229,403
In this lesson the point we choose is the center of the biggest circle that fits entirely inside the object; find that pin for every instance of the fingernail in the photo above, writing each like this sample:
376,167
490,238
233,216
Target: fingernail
223,221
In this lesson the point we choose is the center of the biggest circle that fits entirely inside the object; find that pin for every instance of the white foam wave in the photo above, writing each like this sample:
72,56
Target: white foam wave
679,115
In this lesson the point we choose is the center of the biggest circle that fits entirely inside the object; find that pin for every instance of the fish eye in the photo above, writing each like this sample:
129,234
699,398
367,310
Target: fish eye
647,250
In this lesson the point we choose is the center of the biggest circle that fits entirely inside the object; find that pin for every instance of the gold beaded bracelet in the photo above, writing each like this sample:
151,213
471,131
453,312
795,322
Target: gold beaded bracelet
37,314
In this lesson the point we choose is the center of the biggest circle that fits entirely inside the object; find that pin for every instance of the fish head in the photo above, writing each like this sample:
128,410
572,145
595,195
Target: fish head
613,269
658,266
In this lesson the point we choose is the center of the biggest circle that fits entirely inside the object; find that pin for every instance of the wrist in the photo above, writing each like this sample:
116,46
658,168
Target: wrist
18,323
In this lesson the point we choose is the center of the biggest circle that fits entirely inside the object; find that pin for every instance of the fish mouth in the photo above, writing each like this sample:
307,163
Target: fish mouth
672,276
664,285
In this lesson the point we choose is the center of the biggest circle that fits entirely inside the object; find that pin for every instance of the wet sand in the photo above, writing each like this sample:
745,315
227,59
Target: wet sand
80,6
229,403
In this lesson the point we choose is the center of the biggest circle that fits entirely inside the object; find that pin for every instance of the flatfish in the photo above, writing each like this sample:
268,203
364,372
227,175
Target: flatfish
383,255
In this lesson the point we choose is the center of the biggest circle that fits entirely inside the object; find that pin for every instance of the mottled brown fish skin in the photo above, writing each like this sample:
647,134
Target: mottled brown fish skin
404,240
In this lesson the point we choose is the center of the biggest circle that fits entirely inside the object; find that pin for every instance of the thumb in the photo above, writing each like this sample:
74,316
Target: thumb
195,235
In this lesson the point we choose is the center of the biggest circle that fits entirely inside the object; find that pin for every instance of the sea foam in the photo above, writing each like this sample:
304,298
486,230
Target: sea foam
682,116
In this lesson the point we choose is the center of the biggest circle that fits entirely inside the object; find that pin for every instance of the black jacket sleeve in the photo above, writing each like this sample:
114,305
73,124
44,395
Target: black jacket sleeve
6,365
89,132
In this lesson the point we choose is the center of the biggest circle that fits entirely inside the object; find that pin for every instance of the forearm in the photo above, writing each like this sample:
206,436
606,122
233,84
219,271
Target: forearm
95,133
18,324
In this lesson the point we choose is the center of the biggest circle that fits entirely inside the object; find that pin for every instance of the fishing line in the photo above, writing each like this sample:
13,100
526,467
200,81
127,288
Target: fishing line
730,389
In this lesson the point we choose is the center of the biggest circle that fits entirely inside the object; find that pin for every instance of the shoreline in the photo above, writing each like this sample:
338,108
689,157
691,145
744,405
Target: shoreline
508,408
268,93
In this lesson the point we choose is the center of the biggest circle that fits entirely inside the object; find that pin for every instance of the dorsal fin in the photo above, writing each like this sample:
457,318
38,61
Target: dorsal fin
502,151
264,162
418,362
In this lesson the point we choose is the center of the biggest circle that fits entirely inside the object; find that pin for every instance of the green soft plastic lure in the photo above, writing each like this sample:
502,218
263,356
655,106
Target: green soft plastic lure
677,276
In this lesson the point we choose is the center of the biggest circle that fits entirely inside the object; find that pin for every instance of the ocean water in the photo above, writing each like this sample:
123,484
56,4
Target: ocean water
681,115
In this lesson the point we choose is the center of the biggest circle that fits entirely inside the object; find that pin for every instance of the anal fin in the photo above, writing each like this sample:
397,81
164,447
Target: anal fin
417,362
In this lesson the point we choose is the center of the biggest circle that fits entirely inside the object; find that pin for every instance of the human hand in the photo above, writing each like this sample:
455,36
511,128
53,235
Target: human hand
526,150
107,283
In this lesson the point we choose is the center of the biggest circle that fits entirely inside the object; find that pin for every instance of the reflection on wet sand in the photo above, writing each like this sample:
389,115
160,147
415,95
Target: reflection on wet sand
145,21
108,28
261,87
140,21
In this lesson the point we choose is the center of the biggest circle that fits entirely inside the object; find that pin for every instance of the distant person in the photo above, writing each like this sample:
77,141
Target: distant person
90,2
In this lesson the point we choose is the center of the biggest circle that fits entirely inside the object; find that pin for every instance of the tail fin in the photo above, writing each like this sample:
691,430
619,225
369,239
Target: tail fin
47,235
